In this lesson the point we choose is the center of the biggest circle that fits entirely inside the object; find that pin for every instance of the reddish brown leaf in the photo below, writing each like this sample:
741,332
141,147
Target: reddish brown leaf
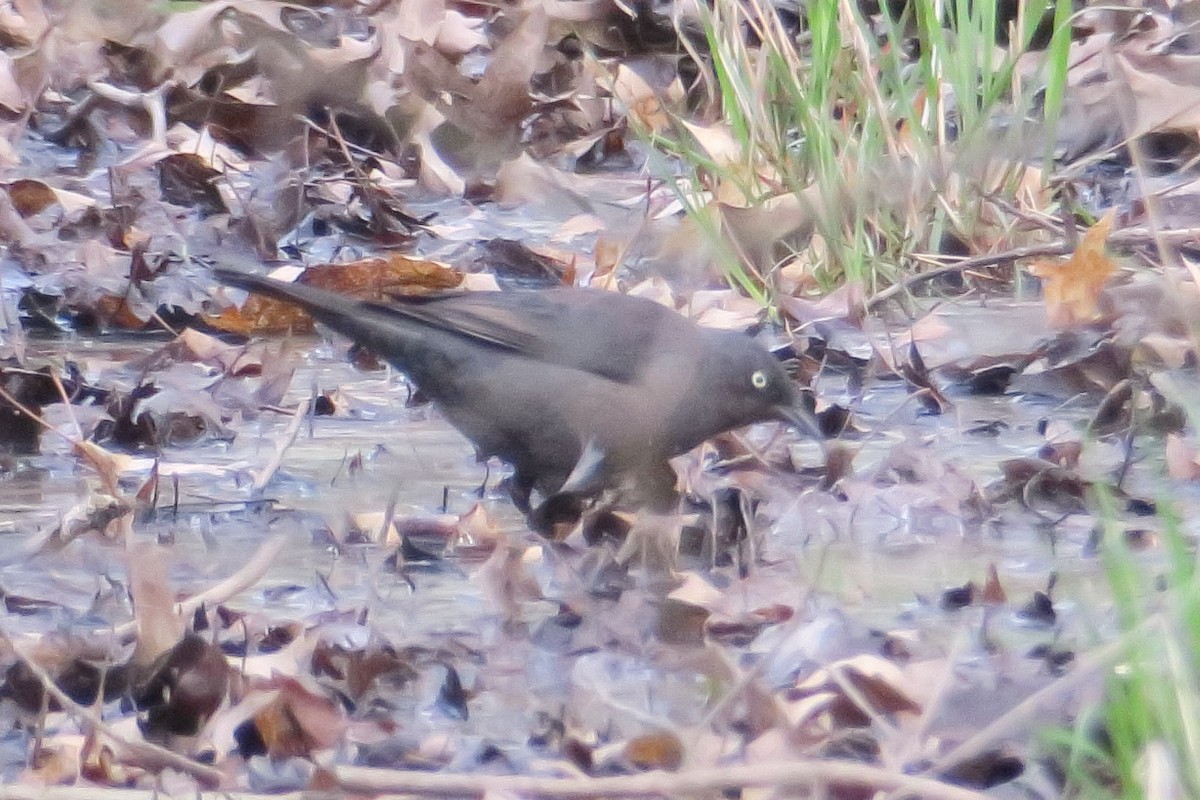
298,721
993,592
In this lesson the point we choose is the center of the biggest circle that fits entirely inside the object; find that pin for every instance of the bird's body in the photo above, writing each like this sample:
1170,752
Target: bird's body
572,387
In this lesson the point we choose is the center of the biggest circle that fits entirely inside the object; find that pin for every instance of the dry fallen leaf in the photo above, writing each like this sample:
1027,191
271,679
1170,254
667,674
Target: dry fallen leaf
370,278
758,231
1182,461
159,626
1072,288
641,102
853,689
299,721
659,750
993,590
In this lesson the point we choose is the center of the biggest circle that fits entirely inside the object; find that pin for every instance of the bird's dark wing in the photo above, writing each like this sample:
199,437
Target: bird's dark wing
461,314
604,333
607,334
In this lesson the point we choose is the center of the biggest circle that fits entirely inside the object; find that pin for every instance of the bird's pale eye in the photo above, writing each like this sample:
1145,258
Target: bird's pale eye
758,379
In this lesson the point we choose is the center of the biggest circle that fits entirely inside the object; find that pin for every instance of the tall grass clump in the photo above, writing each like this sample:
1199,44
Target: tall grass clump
889,133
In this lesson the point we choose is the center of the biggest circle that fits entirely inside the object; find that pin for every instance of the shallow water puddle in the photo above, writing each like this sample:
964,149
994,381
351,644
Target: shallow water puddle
879,547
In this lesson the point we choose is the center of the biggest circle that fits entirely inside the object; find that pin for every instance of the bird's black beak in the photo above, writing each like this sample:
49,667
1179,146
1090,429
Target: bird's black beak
800,418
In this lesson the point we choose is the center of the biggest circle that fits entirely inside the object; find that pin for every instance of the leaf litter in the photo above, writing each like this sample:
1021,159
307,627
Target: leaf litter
395,628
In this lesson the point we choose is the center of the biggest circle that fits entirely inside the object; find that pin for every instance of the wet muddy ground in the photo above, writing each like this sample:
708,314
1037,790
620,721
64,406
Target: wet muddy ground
879,551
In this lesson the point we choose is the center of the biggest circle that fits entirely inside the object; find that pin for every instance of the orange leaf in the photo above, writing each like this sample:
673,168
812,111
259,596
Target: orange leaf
377,278
660,750
115,311
1072,288
371,278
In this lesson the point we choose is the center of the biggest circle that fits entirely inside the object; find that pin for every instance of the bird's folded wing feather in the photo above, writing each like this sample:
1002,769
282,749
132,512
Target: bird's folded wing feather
615,337
563,328
495,326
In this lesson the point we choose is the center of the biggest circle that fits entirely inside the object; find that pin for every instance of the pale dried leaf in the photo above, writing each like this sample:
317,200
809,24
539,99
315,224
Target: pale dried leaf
1183,462
159,627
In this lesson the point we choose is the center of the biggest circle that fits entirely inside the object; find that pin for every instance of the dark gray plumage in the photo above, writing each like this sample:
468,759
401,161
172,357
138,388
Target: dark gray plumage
579,390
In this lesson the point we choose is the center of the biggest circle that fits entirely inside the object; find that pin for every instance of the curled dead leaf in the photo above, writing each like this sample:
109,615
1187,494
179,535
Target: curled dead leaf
851,691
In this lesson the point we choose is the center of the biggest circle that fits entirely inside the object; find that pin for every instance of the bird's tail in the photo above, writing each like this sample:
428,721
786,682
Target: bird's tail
385,334
321,302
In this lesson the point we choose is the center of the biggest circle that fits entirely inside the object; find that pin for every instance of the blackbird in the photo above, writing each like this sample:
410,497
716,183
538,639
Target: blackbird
580,390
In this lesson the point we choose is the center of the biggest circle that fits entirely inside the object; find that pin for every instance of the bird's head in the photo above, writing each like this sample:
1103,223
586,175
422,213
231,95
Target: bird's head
754,387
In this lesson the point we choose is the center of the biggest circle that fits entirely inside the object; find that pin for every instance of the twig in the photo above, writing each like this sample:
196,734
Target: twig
62,393
247,576
165,325
1127,111
978,262
652,784
1122,238
263,477
86,450
363,151
1045,222
32,792
1017,719
152,102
